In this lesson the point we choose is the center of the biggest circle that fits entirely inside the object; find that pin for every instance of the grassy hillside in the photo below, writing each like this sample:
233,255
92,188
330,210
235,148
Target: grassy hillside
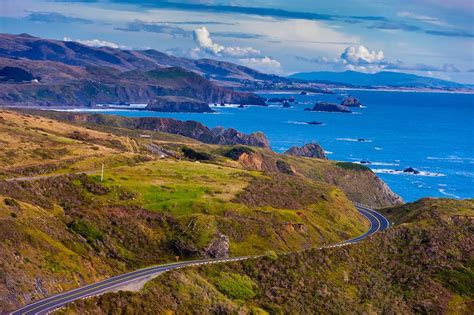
162,196
422,265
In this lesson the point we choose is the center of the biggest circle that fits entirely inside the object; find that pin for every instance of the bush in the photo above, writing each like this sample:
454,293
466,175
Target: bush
235,152
86,230
236,286
11,202
195,155
353,166
271,254
284,167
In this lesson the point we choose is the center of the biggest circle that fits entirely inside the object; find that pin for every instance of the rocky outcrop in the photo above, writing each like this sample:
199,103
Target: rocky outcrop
218,248
178,104
329,107
351,101
311,150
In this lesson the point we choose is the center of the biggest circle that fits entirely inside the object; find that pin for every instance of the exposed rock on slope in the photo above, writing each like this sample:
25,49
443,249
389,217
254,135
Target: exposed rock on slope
312,150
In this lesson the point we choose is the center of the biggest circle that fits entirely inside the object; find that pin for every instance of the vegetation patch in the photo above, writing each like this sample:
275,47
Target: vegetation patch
86,230
195,155
236,286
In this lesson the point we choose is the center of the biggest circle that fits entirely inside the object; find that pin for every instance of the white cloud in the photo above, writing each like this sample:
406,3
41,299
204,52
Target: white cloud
205,42
424,18
247,56
95,43
361,56
264,64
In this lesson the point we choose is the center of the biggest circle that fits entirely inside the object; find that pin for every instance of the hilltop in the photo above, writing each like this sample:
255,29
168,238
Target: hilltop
164,195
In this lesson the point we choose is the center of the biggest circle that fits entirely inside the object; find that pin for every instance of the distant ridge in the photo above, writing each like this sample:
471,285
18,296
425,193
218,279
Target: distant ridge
380,79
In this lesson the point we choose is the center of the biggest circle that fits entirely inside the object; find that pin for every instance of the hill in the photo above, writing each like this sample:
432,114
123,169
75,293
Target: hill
43,72
163,195
423,265
380,79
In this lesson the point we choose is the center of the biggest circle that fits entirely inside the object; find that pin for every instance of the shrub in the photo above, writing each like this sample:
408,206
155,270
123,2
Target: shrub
11,202
236,286
86,230
235,152
195,155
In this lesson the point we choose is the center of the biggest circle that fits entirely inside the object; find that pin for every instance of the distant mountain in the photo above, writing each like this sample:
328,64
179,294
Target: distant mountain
44,72
384,78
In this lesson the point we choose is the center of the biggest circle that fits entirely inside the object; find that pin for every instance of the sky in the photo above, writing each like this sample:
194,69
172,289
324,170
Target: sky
425,37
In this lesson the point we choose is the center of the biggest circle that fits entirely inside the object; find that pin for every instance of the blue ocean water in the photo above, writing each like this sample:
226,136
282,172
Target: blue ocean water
431,132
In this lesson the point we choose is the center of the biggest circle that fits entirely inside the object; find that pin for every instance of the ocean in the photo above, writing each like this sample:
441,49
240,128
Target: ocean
430,132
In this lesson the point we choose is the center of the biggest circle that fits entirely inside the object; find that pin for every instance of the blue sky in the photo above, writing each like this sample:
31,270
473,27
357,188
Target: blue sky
425,37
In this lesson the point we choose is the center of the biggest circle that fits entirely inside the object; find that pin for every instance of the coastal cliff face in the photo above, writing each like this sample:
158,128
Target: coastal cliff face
311,150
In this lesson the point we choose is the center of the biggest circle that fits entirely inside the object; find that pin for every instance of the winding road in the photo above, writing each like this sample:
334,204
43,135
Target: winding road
377,223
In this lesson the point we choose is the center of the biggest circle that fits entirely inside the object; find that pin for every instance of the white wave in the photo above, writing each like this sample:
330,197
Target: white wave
296,122
328,152
452,158
378,149
353,140
400,172
379,163
443,191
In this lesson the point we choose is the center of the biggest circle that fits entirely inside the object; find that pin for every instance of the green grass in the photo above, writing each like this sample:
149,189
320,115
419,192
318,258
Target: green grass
236,286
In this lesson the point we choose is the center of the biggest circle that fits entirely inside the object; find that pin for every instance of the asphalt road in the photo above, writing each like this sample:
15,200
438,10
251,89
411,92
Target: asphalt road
377,223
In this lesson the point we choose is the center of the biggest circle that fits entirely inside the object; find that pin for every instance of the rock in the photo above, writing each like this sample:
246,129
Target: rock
241,106
277,100
304,93
315,123
361,140
351,101
411,170
365,162
177,104
311,150
219,247
330,107
286,104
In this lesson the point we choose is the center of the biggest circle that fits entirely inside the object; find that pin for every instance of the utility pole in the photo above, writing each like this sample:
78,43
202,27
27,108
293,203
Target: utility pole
102,173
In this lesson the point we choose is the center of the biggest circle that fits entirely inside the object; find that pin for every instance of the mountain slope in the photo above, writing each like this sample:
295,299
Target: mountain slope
418,267
384,78
71,74
163,195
